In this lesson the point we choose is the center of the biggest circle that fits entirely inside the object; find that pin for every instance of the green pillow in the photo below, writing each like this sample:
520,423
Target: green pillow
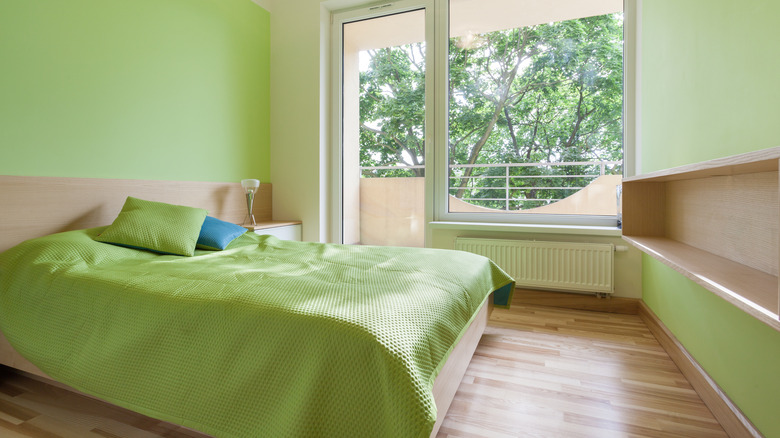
156,226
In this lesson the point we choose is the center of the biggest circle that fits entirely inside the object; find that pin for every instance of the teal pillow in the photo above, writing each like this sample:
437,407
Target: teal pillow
156,226
217,235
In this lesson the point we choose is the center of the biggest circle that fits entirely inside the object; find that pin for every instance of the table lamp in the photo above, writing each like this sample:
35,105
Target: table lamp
250,187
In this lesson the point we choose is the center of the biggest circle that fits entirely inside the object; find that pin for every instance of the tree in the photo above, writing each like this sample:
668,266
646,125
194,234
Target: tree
392,109
539,94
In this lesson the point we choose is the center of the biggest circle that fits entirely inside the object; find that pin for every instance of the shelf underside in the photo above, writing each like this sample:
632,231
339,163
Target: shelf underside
753,291
765,160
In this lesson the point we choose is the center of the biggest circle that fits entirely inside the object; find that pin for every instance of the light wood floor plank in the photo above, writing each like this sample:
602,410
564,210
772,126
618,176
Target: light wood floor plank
568,373
537,372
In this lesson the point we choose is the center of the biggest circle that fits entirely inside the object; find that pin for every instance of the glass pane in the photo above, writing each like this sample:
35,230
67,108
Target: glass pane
383,130
536,103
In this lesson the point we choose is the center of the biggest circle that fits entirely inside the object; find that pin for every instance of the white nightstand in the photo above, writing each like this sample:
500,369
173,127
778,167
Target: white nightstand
283,230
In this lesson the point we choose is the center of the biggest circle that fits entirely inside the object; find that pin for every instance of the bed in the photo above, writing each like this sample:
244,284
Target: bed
382,334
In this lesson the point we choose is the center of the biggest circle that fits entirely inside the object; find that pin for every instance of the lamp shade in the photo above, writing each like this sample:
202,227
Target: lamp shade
250,185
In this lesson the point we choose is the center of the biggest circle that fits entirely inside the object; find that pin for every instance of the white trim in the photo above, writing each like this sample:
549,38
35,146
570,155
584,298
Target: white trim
438,161
377,10
334,152
433,72
636,84
630,109
569,220
528,228
326,122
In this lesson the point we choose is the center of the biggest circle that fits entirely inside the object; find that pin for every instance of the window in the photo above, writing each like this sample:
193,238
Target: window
535,107
525,126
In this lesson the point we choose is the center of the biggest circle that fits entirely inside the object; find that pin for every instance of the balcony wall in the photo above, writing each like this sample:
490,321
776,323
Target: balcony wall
392,210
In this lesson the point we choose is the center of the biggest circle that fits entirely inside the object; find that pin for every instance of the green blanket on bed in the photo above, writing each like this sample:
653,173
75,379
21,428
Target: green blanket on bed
268,338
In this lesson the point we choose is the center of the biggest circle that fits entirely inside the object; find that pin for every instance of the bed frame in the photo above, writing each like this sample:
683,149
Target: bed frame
36,206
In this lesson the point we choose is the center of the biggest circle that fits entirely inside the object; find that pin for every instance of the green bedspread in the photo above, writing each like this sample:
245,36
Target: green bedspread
268,338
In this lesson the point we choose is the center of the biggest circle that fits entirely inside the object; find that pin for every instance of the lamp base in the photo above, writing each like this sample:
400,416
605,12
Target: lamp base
249,222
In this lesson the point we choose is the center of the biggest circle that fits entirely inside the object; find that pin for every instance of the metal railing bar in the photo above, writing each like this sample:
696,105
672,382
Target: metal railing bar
419,166
569,163
500,165
523,177
598,168
534,188
518,188
510,200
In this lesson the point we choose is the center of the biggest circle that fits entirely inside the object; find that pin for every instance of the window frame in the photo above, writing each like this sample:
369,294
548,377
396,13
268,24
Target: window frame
338,20
441,171
437,123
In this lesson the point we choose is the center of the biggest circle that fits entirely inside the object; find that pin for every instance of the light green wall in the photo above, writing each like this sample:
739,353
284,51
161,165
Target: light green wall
739,352
143,89
709,89
709,79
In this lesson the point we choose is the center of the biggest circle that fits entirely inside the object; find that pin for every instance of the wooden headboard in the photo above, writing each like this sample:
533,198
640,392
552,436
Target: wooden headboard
32,206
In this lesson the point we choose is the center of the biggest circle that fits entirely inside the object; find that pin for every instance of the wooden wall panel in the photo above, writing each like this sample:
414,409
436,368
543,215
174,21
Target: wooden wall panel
643,208
720,226
732,216
36,206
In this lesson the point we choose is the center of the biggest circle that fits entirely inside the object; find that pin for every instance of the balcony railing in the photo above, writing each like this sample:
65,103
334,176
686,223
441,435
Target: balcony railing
516,183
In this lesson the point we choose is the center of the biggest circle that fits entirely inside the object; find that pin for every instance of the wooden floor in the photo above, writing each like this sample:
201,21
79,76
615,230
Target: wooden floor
545,372
538,372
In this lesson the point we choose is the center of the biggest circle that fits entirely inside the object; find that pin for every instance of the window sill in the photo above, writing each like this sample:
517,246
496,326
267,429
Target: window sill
580,230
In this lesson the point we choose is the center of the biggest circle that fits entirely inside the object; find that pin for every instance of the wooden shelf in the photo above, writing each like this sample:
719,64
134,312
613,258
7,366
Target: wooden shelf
751,290
716,223
765,160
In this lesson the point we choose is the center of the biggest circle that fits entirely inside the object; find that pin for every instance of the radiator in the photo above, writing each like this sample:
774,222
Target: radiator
564,266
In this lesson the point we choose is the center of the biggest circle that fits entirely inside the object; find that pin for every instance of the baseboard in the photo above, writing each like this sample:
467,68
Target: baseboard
576,301
733,421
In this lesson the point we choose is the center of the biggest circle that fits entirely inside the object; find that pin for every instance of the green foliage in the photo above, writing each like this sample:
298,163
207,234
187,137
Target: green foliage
392,109
547,93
